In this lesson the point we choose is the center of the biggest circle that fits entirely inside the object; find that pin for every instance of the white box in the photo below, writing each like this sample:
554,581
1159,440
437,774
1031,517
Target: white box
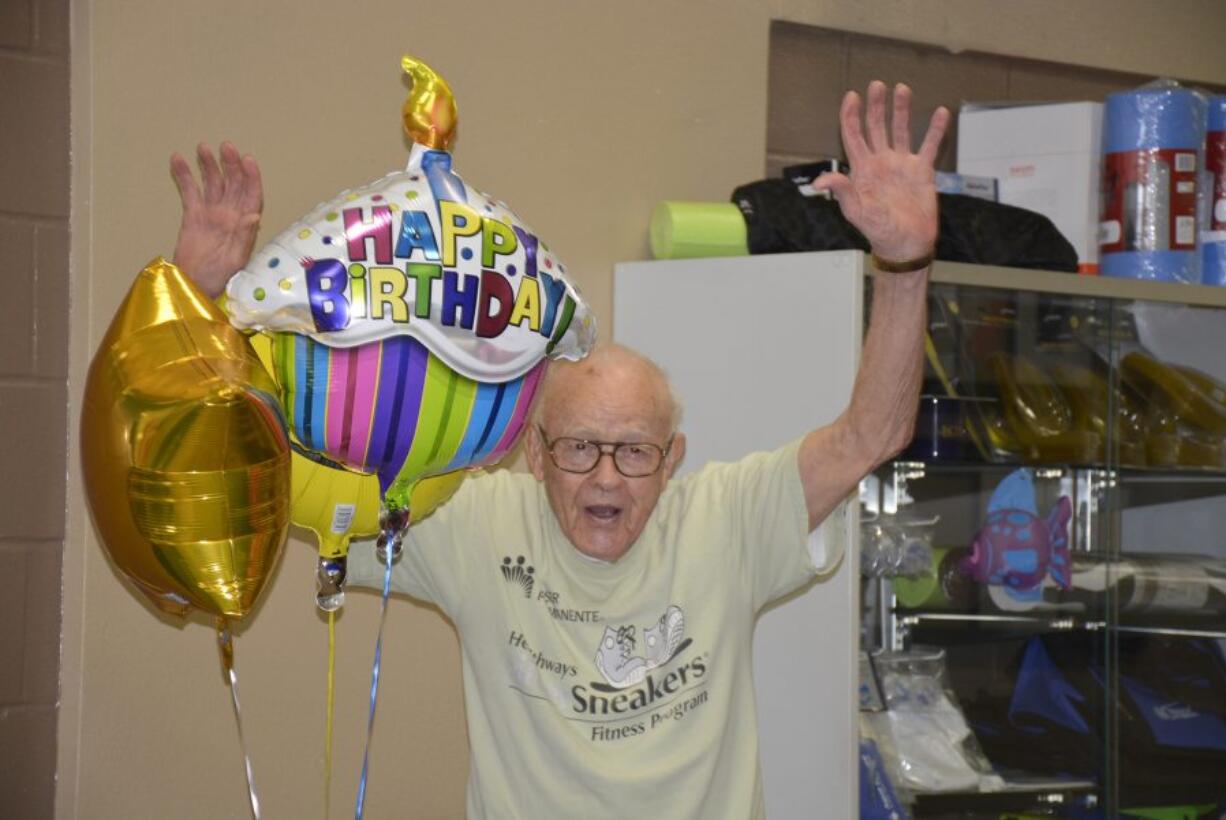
1045,157
978,187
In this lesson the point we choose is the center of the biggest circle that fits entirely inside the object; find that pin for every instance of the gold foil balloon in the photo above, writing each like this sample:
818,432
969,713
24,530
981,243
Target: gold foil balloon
429,113
185,455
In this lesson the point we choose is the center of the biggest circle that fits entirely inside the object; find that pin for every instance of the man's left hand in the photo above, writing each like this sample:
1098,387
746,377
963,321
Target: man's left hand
890,196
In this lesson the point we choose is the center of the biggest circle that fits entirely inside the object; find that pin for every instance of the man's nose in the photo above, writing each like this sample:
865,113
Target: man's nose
605,472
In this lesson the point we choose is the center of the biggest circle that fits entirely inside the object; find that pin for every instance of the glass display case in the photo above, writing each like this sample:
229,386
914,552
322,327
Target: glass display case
1043,600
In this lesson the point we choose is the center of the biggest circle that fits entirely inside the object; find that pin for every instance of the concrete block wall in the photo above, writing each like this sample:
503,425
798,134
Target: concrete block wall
34,179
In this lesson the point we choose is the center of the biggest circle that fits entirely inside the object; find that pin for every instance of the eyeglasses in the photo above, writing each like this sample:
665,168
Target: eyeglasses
633,459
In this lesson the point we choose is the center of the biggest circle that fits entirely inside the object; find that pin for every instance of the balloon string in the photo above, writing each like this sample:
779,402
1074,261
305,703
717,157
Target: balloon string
226,643
374,681
328,726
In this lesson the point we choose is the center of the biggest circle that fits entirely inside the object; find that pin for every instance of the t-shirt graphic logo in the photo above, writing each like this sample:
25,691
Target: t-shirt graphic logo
518,572
618,658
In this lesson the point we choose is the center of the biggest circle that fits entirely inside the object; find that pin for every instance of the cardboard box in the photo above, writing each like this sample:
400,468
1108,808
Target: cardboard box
1045,157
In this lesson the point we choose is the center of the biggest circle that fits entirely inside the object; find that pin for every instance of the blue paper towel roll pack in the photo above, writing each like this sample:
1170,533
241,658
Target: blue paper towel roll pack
1153,140
1213,240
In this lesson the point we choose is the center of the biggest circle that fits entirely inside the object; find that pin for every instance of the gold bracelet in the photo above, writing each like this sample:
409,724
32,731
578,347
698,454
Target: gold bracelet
907,266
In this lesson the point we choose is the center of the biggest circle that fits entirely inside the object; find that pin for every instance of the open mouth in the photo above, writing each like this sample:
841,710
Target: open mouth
603,512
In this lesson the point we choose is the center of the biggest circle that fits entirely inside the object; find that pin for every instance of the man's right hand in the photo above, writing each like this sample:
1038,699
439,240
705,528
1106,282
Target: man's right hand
220,223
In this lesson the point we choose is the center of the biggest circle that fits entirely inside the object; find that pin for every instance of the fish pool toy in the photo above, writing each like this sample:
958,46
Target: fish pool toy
1017,549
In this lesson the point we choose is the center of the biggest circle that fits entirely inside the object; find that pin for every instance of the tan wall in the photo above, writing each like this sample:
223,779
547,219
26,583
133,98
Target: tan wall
582,115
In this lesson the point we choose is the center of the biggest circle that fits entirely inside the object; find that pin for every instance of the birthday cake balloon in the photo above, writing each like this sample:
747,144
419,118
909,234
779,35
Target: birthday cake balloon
419,253
408,323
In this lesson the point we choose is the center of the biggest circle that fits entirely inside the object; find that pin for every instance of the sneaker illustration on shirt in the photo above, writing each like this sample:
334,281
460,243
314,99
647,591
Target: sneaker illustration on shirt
618,657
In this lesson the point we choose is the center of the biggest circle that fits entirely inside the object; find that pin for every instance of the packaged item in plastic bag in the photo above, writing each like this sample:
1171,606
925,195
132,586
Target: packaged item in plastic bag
1153,147
935,747
878,800
893,546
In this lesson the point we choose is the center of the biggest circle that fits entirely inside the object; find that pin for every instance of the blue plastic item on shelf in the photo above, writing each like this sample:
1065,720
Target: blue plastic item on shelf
878,800
1153,138
1213,240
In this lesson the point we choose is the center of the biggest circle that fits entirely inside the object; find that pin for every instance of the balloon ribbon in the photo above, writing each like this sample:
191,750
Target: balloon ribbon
328,726
225,643
389,556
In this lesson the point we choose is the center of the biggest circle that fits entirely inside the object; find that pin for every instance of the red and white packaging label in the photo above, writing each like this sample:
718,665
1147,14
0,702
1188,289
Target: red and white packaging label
1215,164
1149,201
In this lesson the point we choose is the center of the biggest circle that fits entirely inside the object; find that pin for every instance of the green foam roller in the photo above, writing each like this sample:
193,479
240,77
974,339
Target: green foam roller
944,586
924,590
689,230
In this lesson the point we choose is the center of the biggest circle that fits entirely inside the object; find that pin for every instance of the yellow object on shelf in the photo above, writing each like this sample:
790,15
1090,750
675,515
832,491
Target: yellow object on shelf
1087,393
1038,413
1192,398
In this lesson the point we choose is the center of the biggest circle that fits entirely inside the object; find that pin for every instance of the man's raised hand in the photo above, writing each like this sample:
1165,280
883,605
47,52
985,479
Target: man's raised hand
890,195
220,219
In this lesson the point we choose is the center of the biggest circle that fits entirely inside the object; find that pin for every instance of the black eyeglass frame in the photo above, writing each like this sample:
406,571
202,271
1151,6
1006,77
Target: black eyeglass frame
606,448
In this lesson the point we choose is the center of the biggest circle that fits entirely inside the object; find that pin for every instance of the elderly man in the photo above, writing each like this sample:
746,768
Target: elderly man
606,611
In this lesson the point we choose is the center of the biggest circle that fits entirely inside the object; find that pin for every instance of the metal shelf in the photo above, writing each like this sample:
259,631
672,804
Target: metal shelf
912,618
1093,287
1050,623
1139,487
1016,796
1129,475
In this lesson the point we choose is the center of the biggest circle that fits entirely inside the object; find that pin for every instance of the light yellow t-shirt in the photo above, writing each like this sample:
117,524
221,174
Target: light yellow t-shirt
611,690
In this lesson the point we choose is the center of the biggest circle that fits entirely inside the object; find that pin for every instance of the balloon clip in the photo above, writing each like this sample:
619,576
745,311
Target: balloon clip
330,583
225,645
393,522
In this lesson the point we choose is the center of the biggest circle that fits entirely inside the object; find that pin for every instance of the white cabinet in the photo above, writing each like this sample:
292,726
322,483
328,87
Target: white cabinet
761,350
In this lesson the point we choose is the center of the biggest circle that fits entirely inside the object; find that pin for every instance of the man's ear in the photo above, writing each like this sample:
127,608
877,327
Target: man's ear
534,449
675,454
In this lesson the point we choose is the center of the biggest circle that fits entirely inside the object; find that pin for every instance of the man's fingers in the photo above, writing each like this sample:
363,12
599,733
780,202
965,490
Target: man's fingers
831,181
900,119
210,172
253,188
189,193
232,168
841,187
874,117
936,132
849,123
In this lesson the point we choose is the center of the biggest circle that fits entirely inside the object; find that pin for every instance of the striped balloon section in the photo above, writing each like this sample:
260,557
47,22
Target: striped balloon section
394,409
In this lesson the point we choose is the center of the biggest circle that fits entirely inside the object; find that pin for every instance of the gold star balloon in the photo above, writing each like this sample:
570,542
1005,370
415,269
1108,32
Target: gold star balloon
184,449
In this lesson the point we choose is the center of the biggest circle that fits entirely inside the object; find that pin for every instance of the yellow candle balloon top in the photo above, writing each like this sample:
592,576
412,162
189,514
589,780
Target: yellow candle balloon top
429,113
